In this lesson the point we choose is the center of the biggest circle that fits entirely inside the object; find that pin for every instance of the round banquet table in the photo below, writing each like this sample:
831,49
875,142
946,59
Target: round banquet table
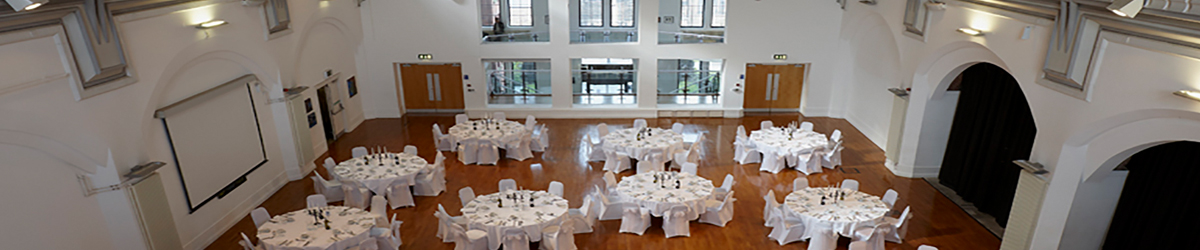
485,213
857,210
295,230
777,141
647,191
657,140
496,132
378,171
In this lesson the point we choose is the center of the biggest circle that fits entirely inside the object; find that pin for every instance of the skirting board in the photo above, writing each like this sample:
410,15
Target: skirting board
215,230
912,171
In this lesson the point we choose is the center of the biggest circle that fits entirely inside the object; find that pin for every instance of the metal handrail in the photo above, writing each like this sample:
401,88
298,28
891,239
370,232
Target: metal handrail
512,36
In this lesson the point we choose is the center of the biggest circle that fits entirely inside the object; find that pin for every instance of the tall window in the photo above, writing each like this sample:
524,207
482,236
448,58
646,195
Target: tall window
718,16
591,13
691,13
520,13
689,81
622,13
518,82
604,80
489,11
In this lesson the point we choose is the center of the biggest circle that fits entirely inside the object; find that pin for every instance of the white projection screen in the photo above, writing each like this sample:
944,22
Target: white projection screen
215,138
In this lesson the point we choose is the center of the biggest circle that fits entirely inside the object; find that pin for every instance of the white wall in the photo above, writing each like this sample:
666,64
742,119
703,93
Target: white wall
171,60
449,30
1092,212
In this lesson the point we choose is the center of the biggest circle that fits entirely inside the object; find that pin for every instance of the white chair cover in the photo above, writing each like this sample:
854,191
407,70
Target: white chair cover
836,136
927,247
833,156
616,161
766,124
260,216
799,183
444,222
539,139
556,188
461,118
441,141
247,244
468,152
358,151
639,123
772,163
329,164
559,237
813,162
726,185
677,127
871,237
850,184
466,194
898,226
610,182
468,240
434,182
530,121
595,151
398,194
691,155
689,168
519,150
356,195
739,143
787,229
499,116
806,126
379,208
823,239
770,207
389,238
749,154
650,163
508,184
721,213
410,149
675,221
858,245
611,209
514,238
601,130
331,189
635,220
890,196
366,244
584,217
316,200
488,154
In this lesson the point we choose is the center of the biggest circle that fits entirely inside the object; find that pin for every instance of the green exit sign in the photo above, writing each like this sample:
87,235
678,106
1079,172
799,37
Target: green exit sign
780,56
425,57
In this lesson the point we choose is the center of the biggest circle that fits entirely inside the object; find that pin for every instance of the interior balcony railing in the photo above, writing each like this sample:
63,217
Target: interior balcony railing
694,87
518,87
540,36
668,37
604,35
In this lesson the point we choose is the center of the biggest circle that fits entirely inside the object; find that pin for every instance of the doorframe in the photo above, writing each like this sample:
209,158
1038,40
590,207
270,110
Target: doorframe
400,88
332,79
803,88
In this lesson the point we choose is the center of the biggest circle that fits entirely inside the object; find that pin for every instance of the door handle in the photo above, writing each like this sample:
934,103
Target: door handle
770,87
437,86
429,85
775,96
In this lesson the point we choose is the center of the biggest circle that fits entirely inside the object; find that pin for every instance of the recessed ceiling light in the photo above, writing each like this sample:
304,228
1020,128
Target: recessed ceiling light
1126,8
25,5
970,31
1189,94
211,24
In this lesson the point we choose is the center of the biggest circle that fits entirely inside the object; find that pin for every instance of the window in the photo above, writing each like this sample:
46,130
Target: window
518,82
489,10
604,80
689,81
691,13
520,13
591,13
622,13
718,16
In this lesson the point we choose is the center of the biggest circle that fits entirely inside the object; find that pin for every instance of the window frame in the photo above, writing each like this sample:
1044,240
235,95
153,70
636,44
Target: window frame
724,14
499,8
512,23
683,6
579,18
632,14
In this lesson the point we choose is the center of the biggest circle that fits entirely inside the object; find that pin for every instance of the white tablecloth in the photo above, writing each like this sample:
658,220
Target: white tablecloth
378,171
656,141
857,210
295,230
776,140
501,133
648,190
484,213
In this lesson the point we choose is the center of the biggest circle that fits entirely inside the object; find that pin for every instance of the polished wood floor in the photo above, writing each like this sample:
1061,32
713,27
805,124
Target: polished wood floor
936,220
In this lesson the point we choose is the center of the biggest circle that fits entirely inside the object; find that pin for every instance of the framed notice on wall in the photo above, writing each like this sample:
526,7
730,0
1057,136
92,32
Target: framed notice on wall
352,86
312,120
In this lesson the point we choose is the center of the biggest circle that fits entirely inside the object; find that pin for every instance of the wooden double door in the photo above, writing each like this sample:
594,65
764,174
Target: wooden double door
431,87
773,87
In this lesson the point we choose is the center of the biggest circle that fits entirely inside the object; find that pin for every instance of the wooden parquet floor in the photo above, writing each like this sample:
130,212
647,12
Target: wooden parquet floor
936,220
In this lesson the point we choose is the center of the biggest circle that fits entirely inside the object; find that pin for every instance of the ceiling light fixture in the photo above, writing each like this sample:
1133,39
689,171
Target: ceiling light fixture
211,23
1189,94
1126,8
26,5
970,31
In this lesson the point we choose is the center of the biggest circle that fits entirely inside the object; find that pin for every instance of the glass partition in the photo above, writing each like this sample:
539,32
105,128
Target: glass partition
505,21
691,21
518,81
689,81
604,81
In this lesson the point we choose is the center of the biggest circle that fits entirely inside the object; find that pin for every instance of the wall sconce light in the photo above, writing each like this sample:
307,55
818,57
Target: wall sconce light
25,5
1189,94
970,31
1126,8
899,92
1033,167
935,5
211,24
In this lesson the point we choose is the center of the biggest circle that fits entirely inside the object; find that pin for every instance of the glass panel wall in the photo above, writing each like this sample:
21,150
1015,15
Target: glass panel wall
598,81
505,21
603,21
689,81
518,81
691,21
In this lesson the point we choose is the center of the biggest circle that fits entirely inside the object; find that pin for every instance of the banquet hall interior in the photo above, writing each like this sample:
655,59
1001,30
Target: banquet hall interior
598,124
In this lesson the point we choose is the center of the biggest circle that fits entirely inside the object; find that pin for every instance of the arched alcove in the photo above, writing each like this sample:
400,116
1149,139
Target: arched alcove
1154,211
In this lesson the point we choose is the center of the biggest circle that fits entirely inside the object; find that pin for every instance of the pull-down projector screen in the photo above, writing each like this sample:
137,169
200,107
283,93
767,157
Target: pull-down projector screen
216,139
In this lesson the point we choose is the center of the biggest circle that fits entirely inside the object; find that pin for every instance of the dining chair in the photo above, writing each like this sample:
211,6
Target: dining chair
514,238
770,207
441,141
508,184
677,128
399,195
718,213
530,122
725,187
806,126
489,154
823,239
560,237
766,124
634,220
927,247
359,151
379,208
467,239
316,200
444,222
595,152
410,149
499,116
870,237
468,151
389,237
675,221
247,244
556,188
616,161
898,227
332,190
850,184
639,123
601,131
461,118
689,167
260,216
584,217
611,209
890,196
800,183
466,195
